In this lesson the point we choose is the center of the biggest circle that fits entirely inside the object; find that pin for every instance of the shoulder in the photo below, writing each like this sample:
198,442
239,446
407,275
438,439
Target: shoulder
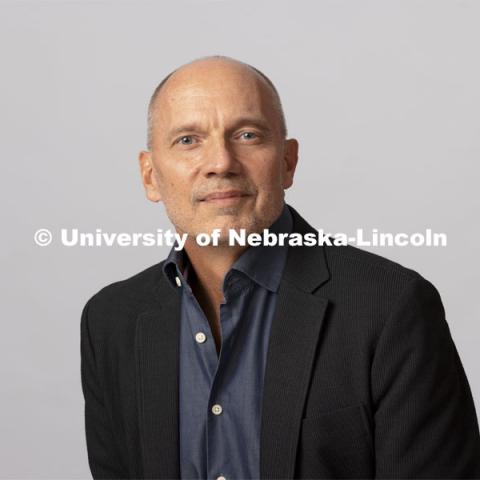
126,298
352,267
366,264
358,279
375,286
372,269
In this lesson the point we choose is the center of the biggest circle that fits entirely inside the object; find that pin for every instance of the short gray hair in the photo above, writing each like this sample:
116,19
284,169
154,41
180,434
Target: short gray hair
276,97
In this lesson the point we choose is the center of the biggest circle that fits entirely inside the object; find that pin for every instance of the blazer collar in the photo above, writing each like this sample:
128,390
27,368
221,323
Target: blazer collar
293,340
306,266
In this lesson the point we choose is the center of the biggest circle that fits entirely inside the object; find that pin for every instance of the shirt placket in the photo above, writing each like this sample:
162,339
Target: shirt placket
213,367
219,414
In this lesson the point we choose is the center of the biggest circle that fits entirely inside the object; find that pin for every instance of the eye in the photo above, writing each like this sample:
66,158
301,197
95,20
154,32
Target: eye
248,135
185,140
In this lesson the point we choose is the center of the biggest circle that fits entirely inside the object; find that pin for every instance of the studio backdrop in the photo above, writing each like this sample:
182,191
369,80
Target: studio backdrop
382,96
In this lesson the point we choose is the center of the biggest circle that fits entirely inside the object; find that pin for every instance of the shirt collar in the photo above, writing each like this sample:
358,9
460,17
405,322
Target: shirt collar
263,264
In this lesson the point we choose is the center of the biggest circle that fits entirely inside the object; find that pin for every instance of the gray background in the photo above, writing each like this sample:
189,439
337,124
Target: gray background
382,95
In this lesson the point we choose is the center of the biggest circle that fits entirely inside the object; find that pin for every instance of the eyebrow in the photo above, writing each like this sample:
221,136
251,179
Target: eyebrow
253,121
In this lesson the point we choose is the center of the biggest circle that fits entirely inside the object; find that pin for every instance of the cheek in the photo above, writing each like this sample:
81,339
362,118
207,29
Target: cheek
267,175
175,184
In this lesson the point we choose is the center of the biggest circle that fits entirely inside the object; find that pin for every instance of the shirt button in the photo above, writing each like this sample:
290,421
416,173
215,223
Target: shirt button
179,283
200,337
221,477
217,409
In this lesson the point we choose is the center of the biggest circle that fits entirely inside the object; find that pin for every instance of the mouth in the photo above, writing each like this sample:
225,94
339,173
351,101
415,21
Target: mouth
228,196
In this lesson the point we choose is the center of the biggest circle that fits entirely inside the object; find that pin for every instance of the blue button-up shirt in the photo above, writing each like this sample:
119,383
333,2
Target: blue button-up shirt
221,395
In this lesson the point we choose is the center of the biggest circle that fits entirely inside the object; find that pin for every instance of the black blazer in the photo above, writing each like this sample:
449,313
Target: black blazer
362,380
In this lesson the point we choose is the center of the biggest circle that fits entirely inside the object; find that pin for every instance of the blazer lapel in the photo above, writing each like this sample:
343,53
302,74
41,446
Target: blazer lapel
157,350
293,340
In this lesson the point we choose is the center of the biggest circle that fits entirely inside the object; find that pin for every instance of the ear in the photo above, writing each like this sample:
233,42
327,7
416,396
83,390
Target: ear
148,176
290,161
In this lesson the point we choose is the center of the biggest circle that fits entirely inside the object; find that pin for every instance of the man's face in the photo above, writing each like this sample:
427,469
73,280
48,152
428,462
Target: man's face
216,132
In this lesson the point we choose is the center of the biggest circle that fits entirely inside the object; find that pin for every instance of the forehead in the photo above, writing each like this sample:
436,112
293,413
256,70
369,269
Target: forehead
213,93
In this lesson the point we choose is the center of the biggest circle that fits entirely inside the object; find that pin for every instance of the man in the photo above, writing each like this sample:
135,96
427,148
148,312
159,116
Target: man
229,361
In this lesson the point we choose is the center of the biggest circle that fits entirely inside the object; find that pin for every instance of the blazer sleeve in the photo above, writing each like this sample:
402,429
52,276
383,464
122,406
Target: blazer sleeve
425,420
102,454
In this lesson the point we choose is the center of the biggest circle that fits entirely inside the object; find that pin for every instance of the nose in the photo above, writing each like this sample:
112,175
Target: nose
221,160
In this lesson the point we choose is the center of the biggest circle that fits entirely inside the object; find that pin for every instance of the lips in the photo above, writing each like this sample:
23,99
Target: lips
226,194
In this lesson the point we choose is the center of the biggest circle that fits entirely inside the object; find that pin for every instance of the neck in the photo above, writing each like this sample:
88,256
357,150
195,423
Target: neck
208,267
211,264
